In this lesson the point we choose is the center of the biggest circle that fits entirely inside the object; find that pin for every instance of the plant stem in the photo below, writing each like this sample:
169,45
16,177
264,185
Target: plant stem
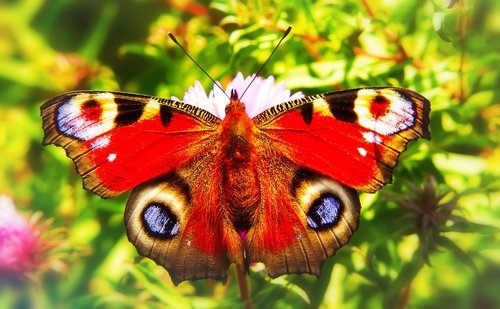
241,274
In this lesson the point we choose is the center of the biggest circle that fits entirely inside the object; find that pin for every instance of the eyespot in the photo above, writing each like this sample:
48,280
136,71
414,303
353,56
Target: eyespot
83,115
159,220
384,111
156,210
324,212
325,202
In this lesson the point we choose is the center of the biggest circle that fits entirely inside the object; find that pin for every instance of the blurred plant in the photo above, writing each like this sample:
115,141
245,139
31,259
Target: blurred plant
431,211
27,245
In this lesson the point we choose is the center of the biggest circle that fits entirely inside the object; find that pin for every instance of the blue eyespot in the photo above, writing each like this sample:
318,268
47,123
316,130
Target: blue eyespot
158,220
324,212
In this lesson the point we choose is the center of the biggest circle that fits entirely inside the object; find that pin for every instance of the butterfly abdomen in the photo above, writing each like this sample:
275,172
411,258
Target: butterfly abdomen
242,195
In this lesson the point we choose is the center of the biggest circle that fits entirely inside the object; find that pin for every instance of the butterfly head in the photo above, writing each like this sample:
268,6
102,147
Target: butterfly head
235,105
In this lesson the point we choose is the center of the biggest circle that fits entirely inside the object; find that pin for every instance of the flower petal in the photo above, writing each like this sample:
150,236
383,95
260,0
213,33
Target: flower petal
261,95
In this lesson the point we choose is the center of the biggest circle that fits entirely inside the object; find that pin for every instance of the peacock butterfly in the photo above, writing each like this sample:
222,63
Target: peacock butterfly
220,179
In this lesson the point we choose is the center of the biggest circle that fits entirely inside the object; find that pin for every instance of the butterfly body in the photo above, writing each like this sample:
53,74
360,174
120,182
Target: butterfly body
278,187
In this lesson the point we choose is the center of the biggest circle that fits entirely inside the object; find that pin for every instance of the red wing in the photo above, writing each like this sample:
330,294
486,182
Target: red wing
353,136
120,140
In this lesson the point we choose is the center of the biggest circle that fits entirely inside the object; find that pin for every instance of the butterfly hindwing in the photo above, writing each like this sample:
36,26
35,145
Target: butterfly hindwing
178,221
304,217
353,136
120,140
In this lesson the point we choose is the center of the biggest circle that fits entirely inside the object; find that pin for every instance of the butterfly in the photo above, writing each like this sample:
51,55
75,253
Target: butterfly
237,183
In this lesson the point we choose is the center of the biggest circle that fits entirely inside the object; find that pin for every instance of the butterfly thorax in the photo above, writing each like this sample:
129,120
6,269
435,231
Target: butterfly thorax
240,183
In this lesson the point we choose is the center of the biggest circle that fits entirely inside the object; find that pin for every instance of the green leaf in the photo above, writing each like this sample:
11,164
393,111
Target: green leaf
396,289
457,251
168,295
438,22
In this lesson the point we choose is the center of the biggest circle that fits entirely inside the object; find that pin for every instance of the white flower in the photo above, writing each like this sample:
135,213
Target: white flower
262,94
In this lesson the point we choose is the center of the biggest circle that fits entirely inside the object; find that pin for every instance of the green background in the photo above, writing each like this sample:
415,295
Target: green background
429,240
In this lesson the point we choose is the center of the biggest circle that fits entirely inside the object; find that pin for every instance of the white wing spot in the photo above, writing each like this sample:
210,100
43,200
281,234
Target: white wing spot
189,243
111,157
100,142
362,151
372,137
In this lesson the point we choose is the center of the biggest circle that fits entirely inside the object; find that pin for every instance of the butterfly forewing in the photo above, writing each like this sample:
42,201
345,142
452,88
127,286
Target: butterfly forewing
353,136
120,140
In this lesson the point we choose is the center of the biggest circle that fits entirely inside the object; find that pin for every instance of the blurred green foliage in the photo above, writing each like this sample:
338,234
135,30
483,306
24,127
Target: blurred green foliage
429,240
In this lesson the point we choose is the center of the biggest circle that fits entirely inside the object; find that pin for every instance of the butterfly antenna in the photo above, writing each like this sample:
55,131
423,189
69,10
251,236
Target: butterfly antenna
264,64
172,37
